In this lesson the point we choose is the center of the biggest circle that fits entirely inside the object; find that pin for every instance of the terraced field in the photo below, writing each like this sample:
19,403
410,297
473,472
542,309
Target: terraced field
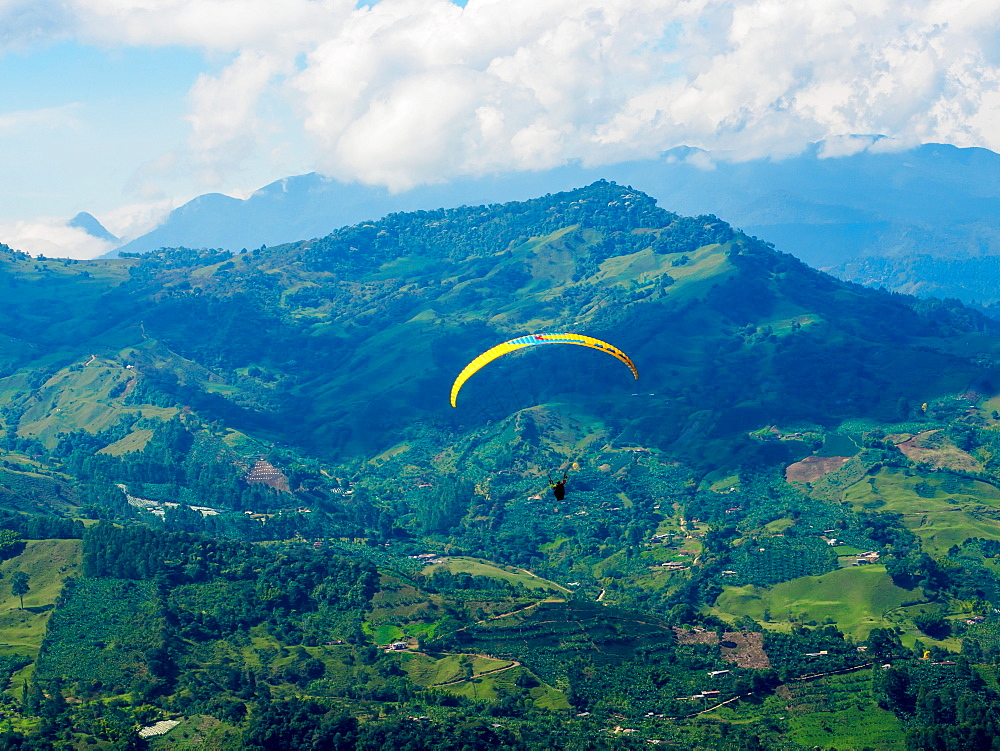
832,712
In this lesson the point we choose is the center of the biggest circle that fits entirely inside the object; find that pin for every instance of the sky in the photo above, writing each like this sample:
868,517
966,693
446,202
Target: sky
129,108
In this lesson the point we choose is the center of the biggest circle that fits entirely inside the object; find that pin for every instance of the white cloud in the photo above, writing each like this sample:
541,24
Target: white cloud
228,25
414,92
51,237
225,119
411,91
417,92
135,220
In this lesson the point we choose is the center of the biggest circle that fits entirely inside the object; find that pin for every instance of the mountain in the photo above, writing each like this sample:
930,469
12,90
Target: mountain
717,318
933,201
241,502
973,280
89,224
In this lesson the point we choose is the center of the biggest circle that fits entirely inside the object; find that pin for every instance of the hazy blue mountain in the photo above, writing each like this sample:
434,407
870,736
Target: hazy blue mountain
89,224
934,200
972,280
307,206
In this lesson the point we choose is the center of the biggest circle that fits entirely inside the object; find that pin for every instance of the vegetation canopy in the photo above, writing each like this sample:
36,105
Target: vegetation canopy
237,509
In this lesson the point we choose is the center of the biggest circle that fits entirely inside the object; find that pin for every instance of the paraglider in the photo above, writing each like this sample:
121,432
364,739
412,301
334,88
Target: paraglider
559,488
529,341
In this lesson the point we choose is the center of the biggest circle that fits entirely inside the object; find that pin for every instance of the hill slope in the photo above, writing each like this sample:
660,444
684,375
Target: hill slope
338,342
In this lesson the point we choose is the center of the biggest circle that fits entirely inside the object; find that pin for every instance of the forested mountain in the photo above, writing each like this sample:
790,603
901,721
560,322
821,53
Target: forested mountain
235,495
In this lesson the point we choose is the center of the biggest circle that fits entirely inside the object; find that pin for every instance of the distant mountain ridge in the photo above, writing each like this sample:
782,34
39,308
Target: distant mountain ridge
934,200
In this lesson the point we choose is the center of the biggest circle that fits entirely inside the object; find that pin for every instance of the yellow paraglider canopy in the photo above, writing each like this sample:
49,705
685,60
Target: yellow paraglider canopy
529,341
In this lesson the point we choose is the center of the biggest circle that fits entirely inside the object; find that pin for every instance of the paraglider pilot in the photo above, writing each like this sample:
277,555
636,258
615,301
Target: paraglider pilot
559,488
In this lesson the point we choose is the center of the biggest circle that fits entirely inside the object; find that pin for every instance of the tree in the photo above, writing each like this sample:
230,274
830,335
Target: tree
19,585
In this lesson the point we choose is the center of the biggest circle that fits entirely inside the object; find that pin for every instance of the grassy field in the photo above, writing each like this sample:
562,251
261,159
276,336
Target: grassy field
941,510
79,396
133,442
47,563
425,670
495,686
857,599
477,567
489,679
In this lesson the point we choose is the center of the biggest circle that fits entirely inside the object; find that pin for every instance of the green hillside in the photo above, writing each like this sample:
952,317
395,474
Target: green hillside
243,502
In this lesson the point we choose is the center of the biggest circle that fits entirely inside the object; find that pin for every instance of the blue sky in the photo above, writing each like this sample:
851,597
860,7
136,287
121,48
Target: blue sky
128,108
89,113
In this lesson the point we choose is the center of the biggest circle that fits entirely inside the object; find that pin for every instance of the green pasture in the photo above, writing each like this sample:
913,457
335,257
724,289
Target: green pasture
847,550
264,651
644,264
479,678
902,618
383,633
47,563
989,406
779,525
478,567
494,687
722,484
857,599
78,397
426,671
132,443
946,511
708,263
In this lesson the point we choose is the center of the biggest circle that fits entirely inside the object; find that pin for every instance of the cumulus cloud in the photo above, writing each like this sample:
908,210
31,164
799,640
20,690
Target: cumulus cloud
225,122
411,92
415,91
